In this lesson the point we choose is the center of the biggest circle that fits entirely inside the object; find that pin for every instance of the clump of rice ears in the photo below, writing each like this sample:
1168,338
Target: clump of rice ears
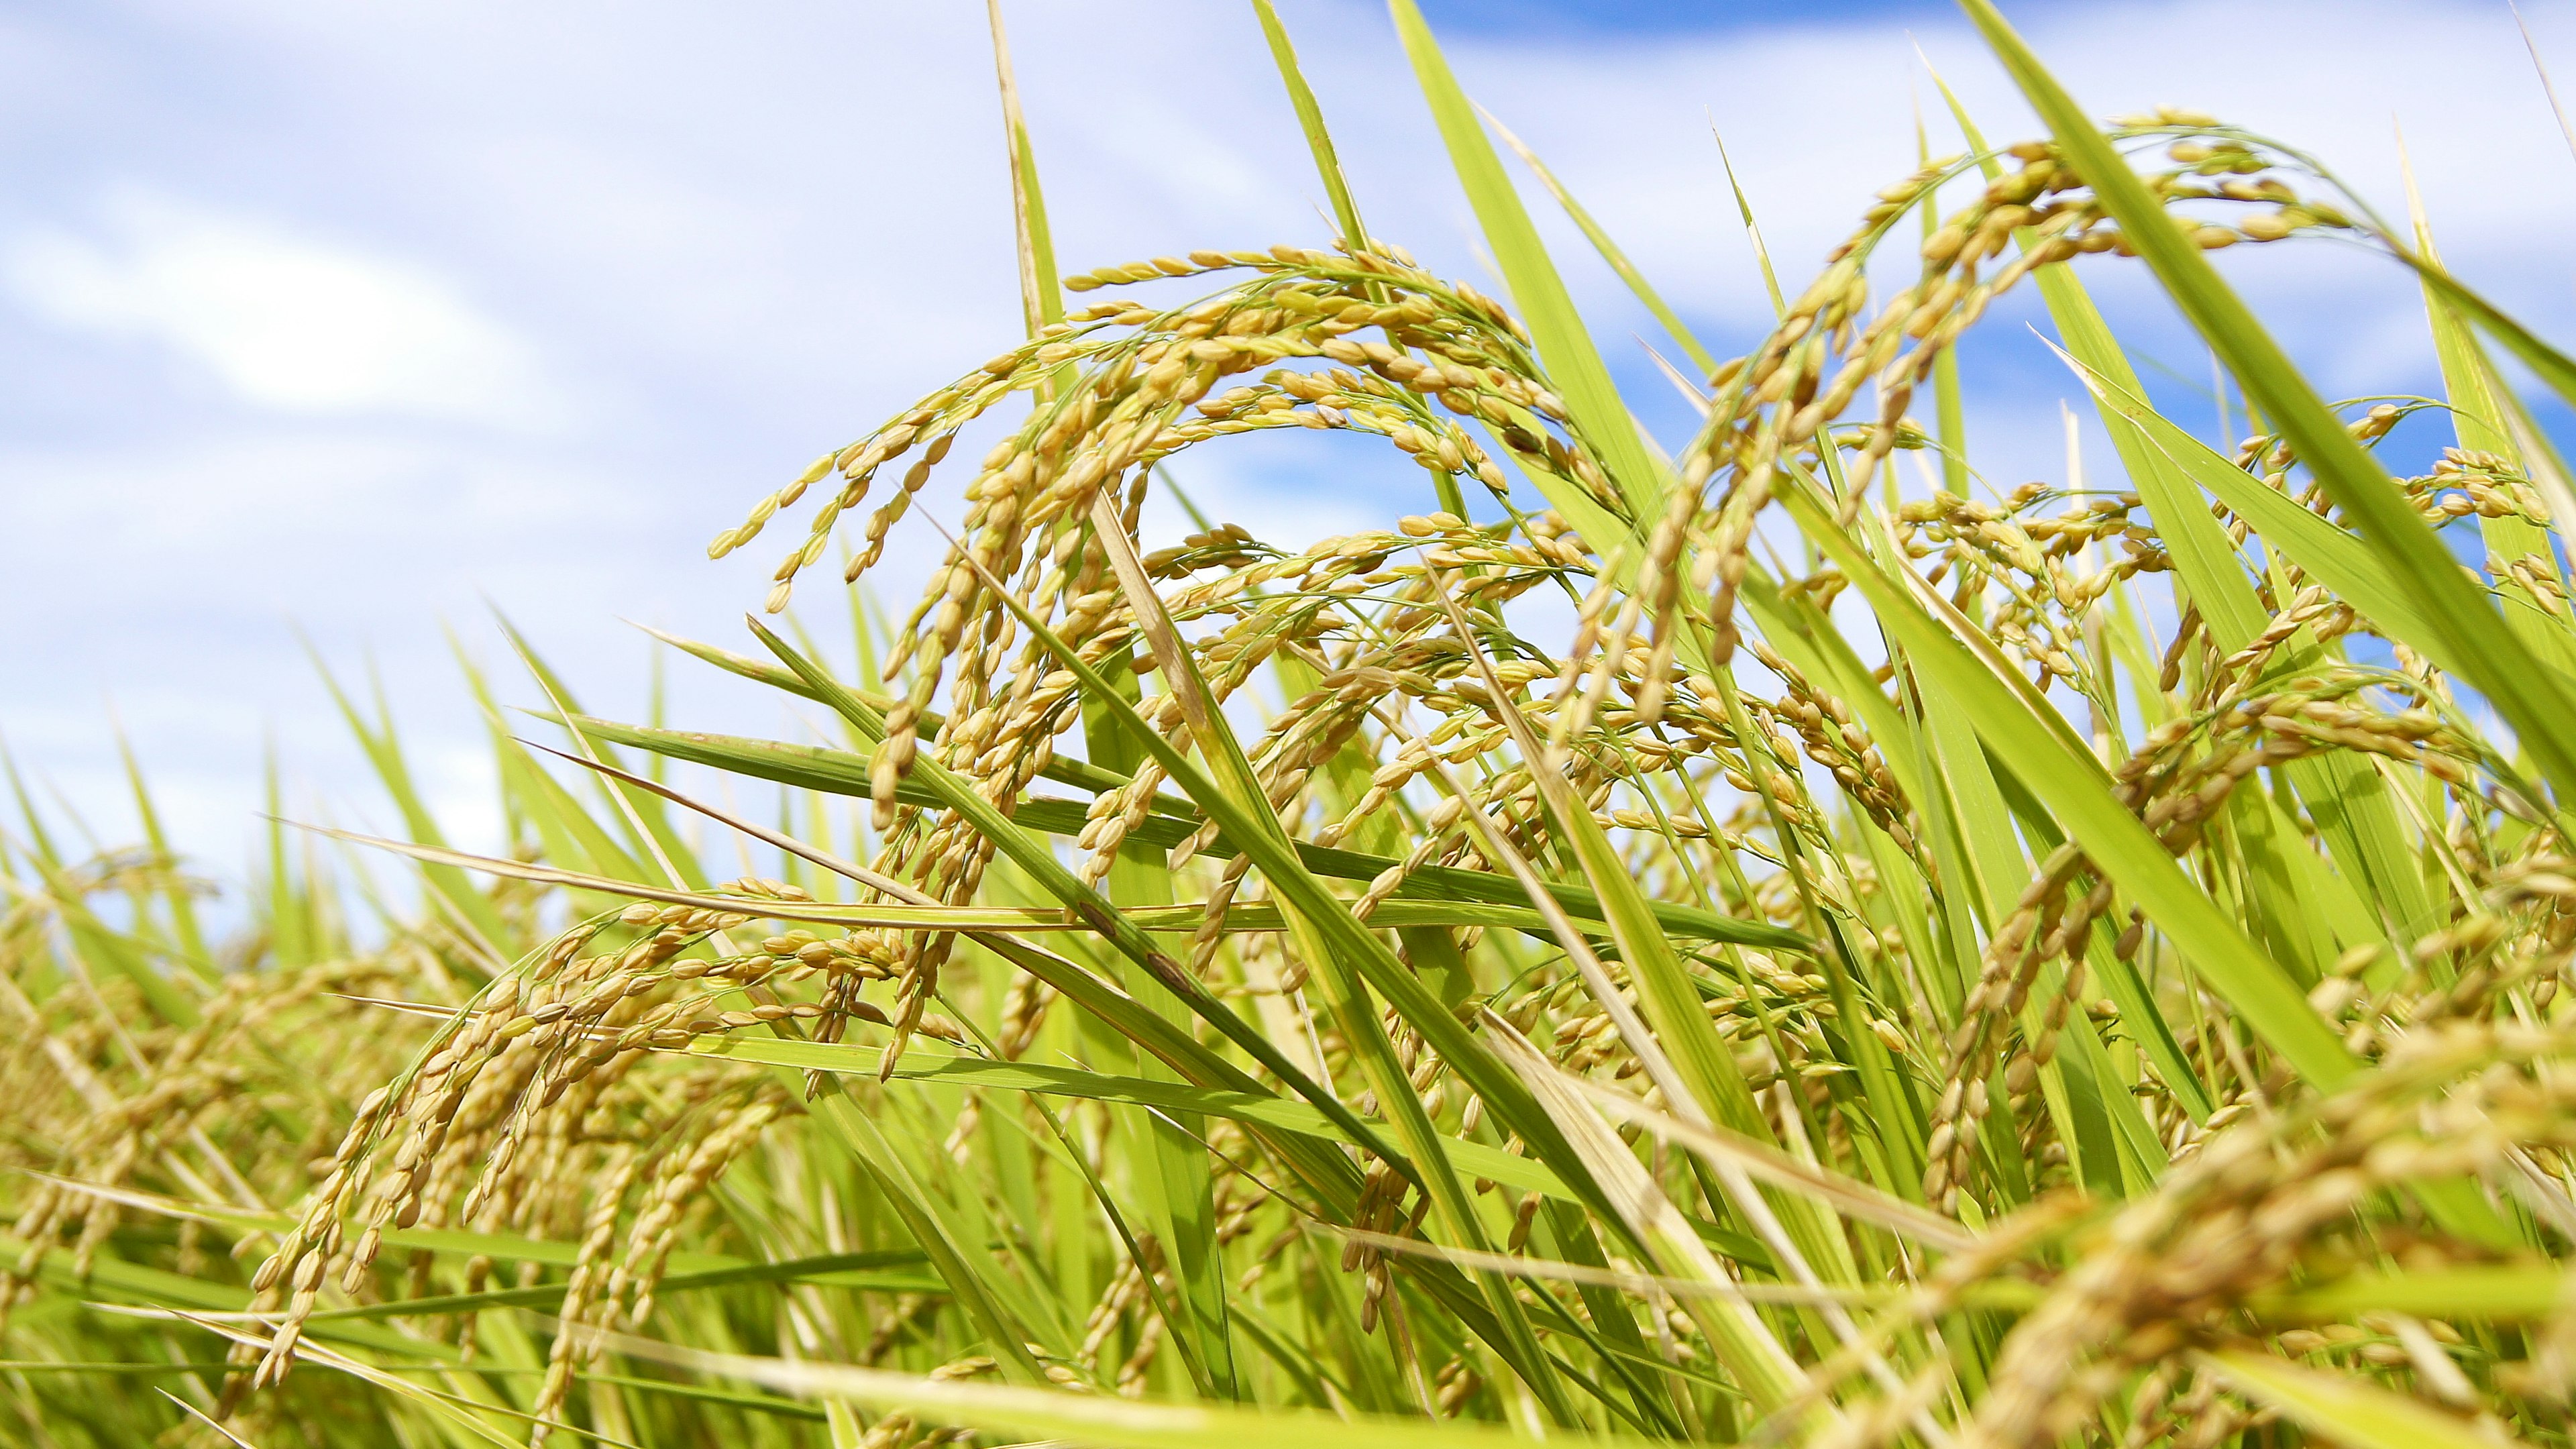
1910,963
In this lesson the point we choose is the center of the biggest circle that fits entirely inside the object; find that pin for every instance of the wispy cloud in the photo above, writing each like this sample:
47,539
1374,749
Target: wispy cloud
284,320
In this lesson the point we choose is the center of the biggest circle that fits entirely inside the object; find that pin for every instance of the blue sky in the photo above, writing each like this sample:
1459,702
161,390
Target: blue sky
327,327
1516,20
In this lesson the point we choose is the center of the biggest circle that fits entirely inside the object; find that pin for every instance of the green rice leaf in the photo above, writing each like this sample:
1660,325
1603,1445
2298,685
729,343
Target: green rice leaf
2347,1410
1563,343
1310,119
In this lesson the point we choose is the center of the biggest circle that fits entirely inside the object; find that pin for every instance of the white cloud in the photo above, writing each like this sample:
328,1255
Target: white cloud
285,321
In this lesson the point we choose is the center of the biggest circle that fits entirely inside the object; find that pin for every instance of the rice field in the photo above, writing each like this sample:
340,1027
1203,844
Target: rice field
1765,937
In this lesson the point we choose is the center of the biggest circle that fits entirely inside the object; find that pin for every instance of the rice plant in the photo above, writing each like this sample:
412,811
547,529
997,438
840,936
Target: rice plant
1769,941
